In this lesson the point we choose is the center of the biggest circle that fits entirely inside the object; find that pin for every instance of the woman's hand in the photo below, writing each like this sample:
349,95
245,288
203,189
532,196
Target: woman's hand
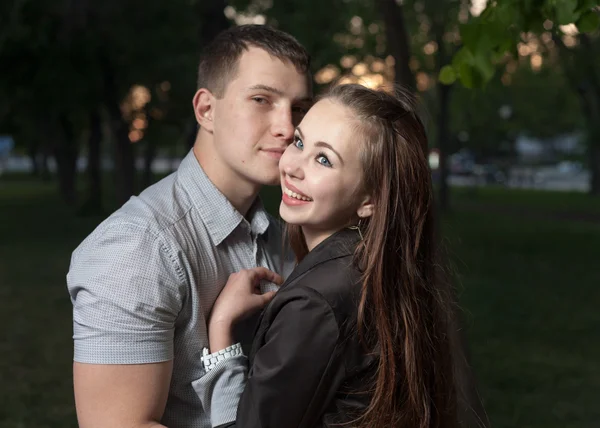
241,297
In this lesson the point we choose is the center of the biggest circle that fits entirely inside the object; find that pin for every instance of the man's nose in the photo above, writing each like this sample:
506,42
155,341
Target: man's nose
282,127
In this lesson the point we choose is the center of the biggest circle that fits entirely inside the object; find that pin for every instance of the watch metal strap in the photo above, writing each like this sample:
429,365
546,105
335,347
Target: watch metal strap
211,360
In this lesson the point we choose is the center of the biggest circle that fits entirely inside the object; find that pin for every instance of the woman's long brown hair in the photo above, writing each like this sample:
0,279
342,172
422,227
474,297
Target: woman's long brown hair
404,311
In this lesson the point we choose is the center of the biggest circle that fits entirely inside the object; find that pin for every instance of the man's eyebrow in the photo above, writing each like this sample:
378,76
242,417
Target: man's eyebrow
321,144
267,88
279,92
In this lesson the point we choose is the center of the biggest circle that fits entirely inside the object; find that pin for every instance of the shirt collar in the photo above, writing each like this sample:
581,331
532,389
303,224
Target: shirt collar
219,216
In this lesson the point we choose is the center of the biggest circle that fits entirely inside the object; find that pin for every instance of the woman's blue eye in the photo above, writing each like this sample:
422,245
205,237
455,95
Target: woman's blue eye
298,143
322,159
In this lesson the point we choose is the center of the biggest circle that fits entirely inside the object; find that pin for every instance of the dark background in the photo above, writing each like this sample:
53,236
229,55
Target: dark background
95,105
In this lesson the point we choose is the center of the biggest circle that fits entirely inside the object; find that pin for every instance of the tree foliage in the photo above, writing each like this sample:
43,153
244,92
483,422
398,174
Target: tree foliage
487,38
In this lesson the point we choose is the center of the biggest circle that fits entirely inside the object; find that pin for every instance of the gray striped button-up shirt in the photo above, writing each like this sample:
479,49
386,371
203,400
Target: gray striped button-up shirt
143,283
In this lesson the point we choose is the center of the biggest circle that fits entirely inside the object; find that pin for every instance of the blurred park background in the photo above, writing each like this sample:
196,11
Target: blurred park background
95,105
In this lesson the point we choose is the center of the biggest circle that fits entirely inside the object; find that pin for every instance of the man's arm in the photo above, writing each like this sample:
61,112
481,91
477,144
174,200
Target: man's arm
126,294
121,395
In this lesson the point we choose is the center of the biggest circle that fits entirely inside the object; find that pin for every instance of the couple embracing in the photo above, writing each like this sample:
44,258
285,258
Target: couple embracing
192,307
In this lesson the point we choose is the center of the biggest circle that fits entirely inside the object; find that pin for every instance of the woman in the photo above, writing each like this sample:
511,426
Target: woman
358,334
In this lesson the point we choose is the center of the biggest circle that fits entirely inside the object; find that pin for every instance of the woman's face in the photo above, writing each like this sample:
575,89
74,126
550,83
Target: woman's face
321,174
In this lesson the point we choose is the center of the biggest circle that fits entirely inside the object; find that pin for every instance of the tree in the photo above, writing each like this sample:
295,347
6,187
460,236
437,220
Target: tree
399,43
489,37
581,66
65,64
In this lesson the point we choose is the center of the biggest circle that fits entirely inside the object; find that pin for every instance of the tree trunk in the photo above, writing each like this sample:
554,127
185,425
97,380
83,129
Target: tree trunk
65,153
124,160
149,155
44,170
588,88
123,150
398,42
593,101
590,104
442,142
594,158
443,118
93,204
34,154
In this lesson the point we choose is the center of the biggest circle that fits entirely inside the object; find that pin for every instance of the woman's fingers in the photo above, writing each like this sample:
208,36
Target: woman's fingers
262,273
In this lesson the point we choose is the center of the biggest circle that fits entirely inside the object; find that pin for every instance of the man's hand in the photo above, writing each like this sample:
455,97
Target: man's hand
241,297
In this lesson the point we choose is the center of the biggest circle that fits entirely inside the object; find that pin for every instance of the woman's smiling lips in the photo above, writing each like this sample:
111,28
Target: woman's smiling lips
292,196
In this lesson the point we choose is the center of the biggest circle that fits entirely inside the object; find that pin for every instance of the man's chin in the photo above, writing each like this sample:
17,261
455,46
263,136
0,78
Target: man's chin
271,181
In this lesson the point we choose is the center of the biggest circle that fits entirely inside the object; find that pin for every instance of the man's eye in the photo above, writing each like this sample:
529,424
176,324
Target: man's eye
260,100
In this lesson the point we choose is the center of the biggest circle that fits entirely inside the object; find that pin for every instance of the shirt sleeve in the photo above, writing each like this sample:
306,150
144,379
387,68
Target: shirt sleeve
126,288
221,387
298,369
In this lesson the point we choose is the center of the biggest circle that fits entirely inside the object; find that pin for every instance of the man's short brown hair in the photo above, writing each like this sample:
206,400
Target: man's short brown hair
219,60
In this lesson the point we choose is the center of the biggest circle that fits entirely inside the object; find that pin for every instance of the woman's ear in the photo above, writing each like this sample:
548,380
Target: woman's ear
204,108
366,208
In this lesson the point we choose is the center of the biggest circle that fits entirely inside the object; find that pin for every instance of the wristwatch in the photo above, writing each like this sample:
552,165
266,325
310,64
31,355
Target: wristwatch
210,361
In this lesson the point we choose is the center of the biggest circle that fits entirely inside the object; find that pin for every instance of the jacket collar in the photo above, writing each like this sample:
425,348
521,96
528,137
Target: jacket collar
340,244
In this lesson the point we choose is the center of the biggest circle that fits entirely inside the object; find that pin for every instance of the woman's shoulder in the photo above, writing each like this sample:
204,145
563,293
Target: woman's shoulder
336,283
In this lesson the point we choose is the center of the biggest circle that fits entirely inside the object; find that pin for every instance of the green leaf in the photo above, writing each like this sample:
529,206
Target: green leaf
508,46
464,55
484,67
588,22
527,6
466,75
447,75
565,12
469,33
585,5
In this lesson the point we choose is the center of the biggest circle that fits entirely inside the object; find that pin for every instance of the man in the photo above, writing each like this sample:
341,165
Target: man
143,283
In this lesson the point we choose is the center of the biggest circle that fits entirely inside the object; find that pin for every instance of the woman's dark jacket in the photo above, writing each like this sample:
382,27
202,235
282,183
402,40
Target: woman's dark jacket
307,367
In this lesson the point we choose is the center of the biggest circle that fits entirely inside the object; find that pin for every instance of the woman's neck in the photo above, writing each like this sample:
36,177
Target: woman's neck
315,237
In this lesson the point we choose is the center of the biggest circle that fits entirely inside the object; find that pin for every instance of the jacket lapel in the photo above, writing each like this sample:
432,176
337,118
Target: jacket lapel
340,244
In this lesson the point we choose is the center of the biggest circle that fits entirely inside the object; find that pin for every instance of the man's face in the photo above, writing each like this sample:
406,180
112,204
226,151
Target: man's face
254,121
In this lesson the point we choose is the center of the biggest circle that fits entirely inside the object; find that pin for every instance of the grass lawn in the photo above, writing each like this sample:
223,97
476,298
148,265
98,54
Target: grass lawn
530,291
539,201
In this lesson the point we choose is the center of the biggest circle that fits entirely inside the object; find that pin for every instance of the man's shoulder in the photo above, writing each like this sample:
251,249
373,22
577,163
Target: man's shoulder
147,216
159,206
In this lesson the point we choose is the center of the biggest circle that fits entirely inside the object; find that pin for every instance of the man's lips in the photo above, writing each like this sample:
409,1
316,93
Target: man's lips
274,152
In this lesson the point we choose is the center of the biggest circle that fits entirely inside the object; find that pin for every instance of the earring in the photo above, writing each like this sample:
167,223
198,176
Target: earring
357,227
